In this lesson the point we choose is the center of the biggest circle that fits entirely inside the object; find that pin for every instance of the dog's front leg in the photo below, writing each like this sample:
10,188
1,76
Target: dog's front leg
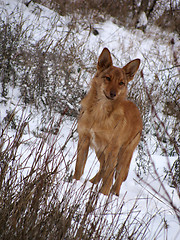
101,157
82,152
108,170
123,163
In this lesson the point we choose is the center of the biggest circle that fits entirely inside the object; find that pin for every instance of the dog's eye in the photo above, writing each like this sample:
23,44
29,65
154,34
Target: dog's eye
108,78
121,83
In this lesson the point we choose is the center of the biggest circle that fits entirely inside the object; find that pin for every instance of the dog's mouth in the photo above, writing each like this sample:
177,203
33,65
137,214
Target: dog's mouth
108,97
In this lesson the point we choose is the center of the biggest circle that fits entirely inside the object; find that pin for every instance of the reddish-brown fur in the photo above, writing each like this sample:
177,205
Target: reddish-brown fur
109,123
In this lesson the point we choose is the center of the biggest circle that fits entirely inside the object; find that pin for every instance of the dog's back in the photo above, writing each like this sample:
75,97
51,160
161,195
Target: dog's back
109,123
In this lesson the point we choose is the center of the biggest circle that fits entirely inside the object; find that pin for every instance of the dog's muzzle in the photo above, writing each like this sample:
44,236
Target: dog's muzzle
111,96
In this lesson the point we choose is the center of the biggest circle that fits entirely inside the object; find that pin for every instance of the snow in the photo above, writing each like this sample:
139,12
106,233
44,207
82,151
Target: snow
125,45
142,20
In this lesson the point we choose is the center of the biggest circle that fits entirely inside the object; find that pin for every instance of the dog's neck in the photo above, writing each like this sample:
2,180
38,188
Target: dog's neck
98,106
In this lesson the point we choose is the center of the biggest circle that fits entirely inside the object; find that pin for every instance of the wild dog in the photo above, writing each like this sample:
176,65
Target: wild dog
109,123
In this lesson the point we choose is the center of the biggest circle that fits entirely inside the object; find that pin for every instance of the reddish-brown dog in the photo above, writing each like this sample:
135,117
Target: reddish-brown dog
109,123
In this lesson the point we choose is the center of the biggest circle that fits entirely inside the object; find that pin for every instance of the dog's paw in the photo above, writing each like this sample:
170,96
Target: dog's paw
95,179
115,191
104,190
76,176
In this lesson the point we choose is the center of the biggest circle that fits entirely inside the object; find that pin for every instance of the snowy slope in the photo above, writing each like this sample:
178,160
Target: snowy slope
125,45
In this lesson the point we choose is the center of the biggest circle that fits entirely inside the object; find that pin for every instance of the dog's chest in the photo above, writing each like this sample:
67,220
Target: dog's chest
100,137
101,126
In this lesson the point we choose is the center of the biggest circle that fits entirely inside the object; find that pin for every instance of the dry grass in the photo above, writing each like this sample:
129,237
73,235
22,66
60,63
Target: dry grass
39,200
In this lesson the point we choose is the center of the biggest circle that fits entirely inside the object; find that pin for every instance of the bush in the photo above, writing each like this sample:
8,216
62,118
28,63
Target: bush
49,78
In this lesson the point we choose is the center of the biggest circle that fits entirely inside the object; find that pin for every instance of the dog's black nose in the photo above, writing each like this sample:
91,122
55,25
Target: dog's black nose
112,93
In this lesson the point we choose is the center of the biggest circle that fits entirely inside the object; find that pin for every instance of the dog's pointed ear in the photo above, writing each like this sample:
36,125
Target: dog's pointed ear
104,60
131,68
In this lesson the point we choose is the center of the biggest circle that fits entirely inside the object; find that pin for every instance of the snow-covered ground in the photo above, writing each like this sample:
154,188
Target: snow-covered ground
125,45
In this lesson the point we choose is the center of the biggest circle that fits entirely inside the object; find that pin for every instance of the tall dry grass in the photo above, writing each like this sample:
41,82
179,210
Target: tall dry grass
39,200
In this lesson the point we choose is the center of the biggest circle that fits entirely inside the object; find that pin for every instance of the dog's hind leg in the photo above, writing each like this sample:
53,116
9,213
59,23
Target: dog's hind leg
82,152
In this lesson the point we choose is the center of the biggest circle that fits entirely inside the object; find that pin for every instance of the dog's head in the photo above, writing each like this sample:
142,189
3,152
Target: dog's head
111,80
